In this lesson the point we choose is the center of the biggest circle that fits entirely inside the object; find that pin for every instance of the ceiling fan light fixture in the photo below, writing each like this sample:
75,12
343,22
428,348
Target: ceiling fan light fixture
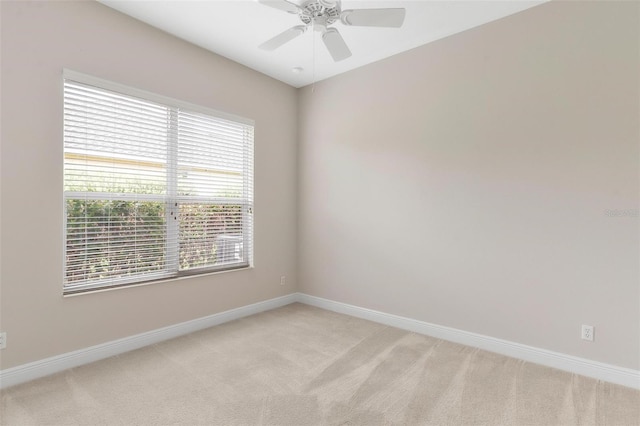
319,26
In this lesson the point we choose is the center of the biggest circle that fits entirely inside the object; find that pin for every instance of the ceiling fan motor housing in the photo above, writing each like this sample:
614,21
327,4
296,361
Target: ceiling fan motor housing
323,12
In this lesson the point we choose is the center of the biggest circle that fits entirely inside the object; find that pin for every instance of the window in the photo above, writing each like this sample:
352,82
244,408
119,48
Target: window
154,188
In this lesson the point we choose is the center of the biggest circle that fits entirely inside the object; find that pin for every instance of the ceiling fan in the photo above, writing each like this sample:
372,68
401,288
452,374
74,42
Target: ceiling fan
319,14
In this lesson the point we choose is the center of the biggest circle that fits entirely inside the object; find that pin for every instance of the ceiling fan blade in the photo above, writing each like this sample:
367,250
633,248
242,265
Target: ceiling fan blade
335,45
373,17
282,38
281,4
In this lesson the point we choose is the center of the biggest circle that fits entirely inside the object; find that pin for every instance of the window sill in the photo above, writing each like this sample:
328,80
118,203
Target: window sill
148,283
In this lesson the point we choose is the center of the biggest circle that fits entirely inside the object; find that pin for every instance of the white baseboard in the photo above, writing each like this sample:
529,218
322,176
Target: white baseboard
585,367
55,364
606,372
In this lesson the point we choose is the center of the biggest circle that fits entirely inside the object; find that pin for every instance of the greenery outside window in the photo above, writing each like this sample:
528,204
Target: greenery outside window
154,188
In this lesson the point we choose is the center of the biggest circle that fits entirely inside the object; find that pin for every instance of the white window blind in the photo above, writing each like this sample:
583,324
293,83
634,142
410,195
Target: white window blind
154,188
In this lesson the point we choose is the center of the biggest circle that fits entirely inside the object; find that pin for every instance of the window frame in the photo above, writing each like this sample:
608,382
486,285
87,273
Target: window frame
171,199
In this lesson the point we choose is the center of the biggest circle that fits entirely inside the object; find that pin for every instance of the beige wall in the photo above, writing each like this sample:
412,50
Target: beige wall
38,41
464,183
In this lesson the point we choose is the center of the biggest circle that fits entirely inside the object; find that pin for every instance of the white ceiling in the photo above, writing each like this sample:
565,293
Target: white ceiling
234,29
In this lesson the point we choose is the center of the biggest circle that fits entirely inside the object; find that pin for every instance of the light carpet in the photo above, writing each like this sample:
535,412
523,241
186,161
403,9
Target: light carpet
300,365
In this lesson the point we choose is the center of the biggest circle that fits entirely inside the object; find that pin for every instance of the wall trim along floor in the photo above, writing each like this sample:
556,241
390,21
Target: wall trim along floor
34,370
585,367
606,372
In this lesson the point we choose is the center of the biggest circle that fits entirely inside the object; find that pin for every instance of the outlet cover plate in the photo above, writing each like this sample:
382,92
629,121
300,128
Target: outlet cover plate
587,332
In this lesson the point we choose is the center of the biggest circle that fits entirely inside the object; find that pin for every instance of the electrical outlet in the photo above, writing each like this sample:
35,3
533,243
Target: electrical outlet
3,340
283,280
587,332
